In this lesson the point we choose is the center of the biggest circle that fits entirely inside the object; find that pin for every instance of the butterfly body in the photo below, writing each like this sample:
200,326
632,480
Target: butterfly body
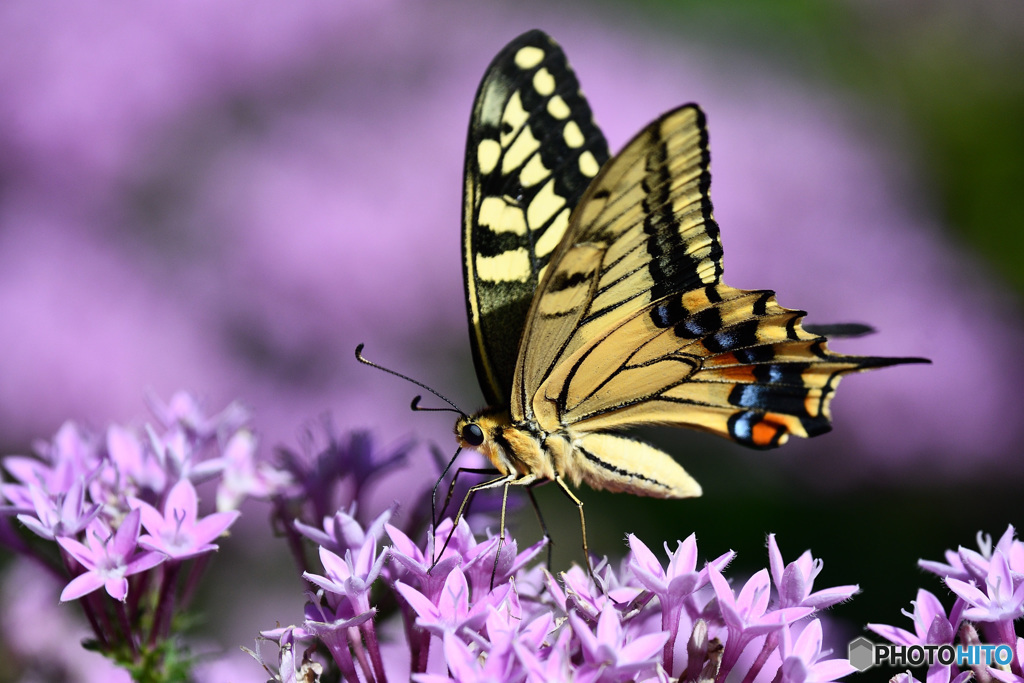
595,300
524,454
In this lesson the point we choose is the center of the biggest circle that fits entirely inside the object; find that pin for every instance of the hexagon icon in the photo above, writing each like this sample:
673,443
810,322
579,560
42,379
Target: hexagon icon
862,654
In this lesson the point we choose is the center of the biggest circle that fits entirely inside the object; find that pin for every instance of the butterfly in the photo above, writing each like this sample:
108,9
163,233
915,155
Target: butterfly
595,297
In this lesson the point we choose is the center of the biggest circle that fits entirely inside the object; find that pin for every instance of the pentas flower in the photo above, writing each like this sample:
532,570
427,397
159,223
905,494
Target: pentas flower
73,456
184,411
746,615
795,580
999,603
93,492
533,625
343,532
801,659
990,597
675,585
608,651
64,514
415,567
453,611
588,592
931,626
108,559
179,533
350,578
966,564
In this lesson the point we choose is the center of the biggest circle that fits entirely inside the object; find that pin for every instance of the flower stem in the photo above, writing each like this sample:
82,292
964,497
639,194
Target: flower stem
192,581
355,639
770,645
126,627
370,638
165,602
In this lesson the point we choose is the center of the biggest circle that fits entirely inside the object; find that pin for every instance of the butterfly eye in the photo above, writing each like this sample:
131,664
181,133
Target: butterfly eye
472,434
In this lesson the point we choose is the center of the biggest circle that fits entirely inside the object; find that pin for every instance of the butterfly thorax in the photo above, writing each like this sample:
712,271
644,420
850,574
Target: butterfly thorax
513,448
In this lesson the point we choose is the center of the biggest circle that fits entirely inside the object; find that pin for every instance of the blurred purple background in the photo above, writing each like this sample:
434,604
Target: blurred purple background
228,197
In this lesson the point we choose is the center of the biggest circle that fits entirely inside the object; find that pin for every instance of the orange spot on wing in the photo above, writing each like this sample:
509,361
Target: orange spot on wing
766,432
738,373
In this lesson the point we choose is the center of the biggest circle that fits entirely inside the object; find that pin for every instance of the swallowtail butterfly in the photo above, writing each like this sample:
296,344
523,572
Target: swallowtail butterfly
595,297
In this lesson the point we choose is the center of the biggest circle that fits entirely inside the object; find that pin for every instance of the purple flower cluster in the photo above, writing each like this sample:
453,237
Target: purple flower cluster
989,588
645,620
119,511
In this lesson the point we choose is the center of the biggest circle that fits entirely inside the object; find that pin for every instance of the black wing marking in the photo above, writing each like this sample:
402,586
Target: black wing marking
532,150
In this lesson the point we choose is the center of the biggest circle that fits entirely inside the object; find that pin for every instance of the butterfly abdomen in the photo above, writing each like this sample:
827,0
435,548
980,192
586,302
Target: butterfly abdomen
604,461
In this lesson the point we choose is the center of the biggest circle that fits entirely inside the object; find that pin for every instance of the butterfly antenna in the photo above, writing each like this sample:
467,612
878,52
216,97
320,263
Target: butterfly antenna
415,401
415,405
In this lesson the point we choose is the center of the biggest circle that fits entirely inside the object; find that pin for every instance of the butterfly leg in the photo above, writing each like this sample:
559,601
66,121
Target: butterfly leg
494,483
451,489
433,493
501,534
527,481
540,517
583,522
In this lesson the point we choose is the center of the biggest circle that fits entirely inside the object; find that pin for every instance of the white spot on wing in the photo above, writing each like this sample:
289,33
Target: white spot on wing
588,165
529,57
553,235
534,172
498,216
573,135
509,266
544,205
544,82
487,155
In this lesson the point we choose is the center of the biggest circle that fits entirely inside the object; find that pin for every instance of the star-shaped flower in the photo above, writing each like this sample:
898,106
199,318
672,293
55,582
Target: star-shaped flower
453,611
746,616
108,560
931,626
795,581
64,514
352,576
608,649
178,532
1000,602
800,660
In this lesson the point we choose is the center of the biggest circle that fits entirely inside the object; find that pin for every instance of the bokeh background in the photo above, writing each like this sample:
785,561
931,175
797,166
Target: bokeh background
228,197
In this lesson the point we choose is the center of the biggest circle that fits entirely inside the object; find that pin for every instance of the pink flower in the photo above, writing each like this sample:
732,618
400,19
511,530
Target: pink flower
108,561
179,533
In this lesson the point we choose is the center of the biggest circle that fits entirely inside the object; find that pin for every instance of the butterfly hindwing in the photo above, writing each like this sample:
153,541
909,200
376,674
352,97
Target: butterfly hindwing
532,151
634,326
643,230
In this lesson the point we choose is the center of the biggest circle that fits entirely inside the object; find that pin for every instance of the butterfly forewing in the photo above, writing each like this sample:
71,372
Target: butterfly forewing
532,151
